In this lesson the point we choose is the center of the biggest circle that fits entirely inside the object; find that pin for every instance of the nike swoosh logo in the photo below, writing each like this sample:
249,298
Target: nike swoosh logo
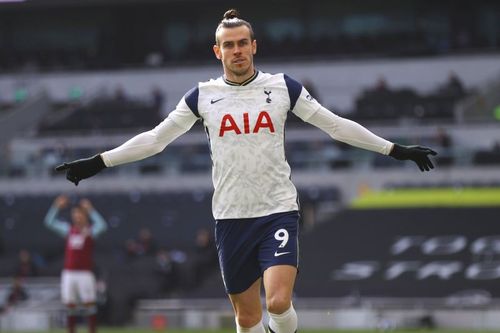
276,254
216,100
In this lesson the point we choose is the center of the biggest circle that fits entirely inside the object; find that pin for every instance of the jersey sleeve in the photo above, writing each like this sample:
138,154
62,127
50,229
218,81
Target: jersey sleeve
149,143
51,221
348,131
310,110
99,225
186,112
302,103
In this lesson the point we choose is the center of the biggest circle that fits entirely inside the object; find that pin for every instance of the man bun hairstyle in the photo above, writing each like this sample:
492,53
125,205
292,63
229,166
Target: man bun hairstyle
231,19
231,14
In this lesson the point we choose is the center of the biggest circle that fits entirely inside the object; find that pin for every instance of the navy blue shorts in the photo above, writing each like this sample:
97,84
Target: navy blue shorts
247,247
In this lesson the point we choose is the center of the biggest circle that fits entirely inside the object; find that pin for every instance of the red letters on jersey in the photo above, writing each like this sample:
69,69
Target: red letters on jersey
228,124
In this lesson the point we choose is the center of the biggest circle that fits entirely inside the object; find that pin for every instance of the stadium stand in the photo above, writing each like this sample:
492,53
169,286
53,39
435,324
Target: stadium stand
65,38
370,271
487,157
83,81
101,115
129,276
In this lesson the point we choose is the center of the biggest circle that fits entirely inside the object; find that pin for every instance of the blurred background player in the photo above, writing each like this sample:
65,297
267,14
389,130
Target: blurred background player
78,285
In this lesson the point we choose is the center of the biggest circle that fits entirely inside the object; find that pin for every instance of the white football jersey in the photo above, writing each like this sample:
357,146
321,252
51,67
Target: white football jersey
245,125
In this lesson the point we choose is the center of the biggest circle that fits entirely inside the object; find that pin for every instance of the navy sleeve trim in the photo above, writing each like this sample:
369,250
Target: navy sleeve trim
191,98
294,90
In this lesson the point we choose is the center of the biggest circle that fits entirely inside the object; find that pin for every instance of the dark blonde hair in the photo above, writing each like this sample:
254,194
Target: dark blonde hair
231,19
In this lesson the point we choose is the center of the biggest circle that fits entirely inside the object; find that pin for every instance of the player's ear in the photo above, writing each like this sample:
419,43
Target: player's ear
217,51
254,46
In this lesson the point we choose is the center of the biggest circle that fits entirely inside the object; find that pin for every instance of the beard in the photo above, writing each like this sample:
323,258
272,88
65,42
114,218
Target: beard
241,69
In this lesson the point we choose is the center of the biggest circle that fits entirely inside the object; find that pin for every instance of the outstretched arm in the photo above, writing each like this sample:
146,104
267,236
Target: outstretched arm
144,145
139,147
348,131
352,133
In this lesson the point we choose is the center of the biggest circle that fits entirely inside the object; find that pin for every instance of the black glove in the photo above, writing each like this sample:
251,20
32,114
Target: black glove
83,168
417,154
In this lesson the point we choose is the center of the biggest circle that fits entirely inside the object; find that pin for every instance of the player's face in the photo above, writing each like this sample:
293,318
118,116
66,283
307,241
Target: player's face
236,50
79,217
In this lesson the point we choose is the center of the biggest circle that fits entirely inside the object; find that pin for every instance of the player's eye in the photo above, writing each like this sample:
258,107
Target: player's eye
243,42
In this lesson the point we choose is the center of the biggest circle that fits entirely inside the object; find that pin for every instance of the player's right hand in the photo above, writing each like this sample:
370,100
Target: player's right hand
61,201
82,169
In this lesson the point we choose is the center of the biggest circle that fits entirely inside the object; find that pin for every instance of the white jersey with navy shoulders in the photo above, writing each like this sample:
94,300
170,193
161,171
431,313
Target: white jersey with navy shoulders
245,125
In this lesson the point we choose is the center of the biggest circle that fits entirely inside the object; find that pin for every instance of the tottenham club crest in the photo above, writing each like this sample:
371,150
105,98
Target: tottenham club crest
268,93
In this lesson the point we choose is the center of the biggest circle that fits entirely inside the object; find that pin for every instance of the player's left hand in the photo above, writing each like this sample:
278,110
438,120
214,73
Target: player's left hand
82,169
86,205
417,154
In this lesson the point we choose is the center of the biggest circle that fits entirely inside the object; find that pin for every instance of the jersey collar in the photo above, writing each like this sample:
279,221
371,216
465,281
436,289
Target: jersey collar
244,83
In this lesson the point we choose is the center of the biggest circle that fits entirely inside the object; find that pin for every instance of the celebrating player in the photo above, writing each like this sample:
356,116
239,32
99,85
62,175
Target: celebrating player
78,286
255,203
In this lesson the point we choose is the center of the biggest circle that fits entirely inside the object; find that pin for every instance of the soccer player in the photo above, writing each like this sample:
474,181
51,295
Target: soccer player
254,203
78,286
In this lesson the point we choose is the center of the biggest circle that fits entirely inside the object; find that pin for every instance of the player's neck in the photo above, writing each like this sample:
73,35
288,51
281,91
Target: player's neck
238,79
